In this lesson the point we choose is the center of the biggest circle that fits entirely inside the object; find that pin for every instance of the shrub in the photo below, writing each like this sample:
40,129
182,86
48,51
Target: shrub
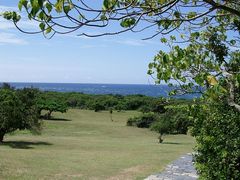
142,121
216,128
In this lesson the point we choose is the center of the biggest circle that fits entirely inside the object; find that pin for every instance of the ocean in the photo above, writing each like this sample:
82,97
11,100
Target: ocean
122,89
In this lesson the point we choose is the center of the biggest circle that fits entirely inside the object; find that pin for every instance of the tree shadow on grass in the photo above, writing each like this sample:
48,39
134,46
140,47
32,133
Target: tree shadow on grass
23,144
58,119
54,119
174,143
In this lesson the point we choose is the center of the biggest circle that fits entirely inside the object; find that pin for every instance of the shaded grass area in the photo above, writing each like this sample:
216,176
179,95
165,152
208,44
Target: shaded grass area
86,145
23,144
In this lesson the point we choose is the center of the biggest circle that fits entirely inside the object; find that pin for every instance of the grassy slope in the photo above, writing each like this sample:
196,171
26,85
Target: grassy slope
88,146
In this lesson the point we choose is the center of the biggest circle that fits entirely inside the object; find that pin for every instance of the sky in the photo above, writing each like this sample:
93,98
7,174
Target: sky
121,59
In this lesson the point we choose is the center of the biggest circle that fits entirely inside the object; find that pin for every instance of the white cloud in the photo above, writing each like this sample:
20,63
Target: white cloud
9,38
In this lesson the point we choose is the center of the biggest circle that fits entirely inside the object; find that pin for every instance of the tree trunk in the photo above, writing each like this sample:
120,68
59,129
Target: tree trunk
1,136
49,115
160,138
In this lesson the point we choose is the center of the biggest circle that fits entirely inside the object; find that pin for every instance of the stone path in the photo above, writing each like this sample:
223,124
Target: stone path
181,169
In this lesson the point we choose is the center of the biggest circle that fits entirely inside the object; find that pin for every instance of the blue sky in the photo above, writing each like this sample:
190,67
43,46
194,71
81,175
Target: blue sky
119,59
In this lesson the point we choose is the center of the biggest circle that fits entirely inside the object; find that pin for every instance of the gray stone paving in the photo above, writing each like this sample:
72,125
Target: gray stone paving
181,169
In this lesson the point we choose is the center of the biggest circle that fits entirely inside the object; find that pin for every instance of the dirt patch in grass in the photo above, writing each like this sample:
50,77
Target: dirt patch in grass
129,173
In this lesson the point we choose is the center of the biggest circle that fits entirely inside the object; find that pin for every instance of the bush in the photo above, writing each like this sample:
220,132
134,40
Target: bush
216,128
142,121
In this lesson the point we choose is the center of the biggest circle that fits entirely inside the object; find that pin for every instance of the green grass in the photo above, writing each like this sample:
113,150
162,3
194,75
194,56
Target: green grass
86,145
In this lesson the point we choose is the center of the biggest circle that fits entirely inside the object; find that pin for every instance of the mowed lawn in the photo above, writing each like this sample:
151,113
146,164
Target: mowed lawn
86,145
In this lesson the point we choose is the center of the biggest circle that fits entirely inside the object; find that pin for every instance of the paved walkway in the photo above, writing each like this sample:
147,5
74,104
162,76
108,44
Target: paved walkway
181,169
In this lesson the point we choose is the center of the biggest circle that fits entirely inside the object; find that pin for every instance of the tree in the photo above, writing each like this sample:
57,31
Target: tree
16,113
162,126
51,105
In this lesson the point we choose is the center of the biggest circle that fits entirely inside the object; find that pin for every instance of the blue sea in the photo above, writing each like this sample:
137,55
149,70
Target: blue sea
122,89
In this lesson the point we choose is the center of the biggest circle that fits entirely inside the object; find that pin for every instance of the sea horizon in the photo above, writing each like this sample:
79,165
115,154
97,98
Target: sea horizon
152,90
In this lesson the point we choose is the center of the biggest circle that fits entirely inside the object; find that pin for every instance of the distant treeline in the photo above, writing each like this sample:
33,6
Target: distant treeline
112,102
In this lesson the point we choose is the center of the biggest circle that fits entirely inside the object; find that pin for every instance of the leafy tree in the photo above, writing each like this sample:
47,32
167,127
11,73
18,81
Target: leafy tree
162,126
18,111
51,105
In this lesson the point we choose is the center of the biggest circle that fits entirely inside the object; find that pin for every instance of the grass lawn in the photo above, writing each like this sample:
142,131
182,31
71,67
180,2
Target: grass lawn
86,145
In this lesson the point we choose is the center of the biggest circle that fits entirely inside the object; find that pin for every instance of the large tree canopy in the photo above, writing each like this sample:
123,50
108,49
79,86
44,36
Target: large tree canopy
18,111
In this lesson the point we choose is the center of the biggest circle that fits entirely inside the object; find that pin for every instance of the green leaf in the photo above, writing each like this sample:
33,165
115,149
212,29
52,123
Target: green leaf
177,14
49,7
48,30
42,26
163,40
41,15
128,22
110,4
103,17
66,9
22,3
59,6
173,38
191,15
40,3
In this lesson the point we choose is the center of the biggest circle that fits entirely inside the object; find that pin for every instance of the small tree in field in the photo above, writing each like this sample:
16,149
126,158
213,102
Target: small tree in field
163,126
17,114
51,105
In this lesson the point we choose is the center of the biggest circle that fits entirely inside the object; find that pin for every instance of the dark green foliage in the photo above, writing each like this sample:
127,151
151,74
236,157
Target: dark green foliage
162,126
98,107
51,105
142,121
158,106
145,109
174,120
217,132
115,102
51,102
18,111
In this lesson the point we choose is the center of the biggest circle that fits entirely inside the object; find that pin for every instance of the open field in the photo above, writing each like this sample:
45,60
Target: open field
86,145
